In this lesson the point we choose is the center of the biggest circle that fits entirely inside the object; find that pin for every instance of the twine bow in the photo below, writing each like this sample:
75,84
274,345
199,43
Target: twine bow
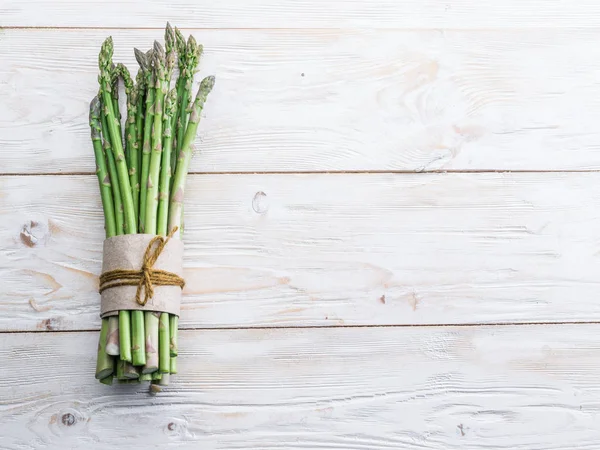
147,277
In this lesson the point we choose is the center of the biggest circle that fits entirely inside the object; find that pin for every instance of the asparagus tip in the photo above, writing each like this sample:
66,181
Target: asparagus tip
105,56
169,36
180,44
159,51
141,58
207,83
95,109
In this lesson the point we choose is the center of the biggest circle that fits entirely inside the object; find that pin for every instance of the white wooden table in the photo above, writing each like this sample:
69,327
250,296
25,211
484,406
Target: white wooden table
392,229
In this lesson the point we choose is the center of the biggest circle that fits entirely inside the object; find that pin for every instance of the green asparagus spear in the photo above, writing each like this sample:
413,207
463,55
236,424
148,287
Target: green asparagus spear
108,380
138,336
193,52
129,371
101,168
151,329
121,370
115,97
125,335
145,62
145,377
104,362
104,63
155,159
164,379
170,55
140,82
112,172
185,154
173,326
131,136
165,169
112,340
164,341
180,84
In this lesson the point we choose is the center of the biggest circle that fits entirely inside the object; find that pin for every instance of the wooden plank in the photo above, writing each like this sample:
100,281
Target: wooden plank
321,100
305,14
322,250
527,387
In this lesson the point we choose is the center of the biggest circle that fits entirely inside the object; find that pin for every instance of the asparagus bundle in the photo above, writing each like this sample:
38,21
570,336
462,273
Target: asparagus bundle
142,166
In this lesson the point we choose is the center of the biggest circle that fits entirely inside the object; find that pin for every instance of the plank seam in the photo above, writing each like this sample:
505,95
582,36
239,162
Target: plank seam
341,29
325,172
309,327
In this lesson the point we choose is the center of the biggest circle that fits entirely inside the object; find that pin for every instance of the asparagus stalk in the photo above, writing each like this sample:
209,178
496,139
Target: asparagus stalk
104,63
185,155
155,159
112,172
138,349
125,335
104,362
171,46
173,369
121,370
112,340
164,354
145,62
115,97
157,375
151,324
101,169
140,82
170,55
129,371
131,136
193,52
164,380
150,163
138,354
173,325
181,62
108,380
166,174
145,377
165,169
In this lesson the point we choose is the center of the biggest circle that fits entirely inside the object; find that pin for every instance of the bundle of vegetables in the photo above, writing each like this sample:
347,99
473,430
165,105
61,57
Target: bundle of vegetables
142,166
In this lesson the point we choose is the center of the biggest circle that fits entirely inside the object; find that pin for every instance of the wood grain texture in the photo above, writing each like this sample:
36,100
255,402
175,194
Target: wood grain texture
318,100
322,250
302,14
466,388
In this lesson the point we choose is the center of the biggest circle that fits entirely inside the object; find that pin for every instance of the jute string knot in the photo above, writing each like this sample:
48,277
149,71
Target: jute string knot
147,277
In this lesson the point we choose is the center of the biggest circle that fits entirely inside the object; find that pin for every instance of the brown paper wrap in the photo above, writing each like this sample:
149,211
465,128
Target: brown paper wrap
126,252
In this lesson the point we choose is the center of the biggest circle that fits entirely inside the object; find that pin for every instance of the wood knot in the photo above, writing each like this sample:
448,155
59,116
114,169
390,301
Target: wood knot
68,422
260,203
33,233
176,427
68,419
50,324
